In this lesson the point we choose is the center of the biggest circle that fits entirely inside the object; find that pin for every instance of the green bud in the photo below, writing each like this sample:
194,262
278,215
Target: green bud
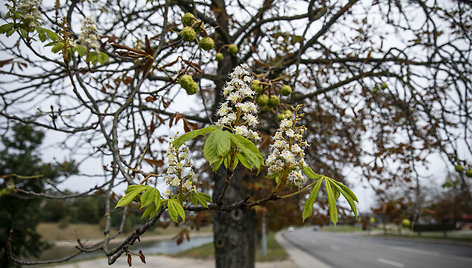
468,173
274,101
262,100
187,19
375,90
383,85
256,86
460,168
186,81
207,43
192,89
233,49
188,34
288,114
286,90
219,56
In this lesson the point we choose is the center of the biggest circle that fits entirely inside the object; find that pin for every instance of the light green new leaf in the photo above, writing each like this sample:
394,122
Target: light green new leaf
81,50
148,197
192,134
311,174
210,149
308,208
244,161
104,57
175,209
131,193
348,198
41,34
58,47
200,198
6,27
333,212
249,149
223,142
149,210
52,35
347,190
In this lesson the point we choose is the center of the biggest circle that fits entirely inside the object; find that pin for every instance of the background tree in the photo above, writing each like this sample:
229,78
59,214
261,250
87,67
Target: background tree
384,84
21,168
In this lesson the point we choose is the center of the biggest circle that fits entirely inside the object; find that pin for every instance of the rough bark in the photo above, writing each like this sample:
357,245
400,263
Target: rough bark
234,232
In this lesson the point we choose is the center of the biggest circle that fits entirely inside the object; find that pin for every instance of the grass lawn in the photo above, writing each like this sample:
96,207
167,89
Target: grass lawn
340,229
274,251
51,231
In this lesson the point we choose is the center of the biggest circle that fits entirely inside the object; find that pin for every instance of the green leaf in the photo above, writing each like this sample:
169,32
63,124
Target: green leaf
310,173
243,160
210,149
24,33
249,149
148,197
149,210
200,198
175,209
223,142
6,27
347,196
104,56
58,47
52,35
41,34
308,208
347,190
192,134
81,50
12,31
333,213
131,193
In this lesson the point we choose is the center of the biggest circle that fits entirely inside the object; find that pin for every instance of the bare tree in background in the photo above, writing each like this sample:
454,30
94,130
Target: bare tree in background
384,84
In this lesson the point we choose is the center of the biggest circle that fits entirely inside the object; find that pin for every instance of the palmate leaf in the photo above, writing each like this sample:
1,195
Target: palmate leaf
175,210
308,208
192,134
200,198
333,212
217,148
131,193
348,195
249,151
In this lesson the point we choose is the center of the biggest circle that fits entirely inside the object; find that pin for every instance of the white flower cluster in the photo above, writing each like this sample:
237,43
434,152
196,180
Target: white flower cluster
239,112
29,11
89,35
287,151
180,172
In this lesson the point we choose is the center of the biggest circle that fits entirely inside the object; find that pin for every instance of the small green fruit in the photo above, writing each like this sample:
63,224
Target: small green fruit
280,117
384,85
186,81
286,90
468,173
262,100
192,89
256,86
274,101
265,108
233,49
188,34
288,114
207,43
406,223
187,19
375,90
219,56
460,168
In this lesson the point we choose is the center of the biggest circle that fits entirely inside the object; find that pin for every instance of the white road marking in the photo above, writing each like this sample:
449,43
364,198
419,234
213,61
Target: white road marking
416,251
393,263
335,247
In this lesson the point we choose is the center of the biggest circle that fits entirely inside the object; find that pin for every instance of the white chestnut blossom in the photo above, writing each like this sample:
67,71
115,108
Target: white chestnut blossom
239,112
180,172
29,12
287,151
88,36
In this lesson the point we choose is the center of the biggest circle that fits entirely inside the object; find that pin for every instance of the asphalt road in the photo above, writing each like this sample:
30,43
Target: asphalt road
355,250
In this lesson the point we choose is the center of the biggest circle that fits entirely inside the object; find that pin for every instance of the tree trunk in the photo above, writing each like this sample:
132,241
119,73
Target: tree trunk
234,232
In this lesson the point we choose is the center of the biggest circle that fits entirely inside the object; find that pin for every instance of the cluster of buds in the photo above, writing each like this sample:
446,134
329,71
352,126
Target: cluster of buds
239,112
287,151
180,173
89,35
28,11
